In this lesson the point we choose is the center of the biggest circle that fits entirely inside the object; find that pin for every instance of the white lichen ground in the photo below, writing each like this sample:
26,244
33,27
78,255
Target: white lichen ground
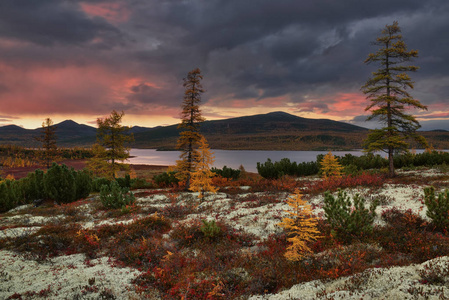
392,283
67,277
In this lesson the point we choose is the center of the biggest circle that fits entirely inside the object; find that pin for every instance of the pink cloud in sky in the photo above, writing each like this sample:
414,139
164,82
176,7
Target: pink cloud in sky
113,12
49,90
312,106
348,104
230,102
340,105
436,115
88,89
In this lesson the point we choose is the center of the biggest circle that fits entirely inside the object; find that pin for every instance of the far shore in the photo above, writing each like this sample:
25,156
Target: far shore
78,164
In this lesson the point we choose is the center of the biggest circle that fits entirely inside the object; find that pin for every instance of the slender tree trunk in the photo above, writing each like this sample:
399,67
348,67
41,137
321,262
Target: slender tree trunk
389,117
113,153
189,162
190,157
391,162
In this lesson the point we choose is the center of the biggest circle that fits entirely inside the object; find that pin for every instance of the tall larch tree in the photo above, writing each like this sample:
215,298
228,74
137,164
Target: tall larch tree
201,178
48,140
386,90
191,118
111,147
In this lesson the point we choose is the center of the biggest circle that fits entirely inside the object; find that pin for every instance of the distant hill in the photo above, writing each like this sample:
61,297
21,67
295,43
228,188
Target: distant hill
68,133
276,131
272,131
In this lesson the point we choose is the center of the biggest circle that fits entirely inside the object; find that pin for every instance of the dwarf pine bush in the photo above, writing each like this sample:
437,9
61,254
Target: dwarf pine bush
437,208
226,172
166,179
124,181
348,219
33,185
9,195
98,182
278,169
114,196
210,229
83,183
59,184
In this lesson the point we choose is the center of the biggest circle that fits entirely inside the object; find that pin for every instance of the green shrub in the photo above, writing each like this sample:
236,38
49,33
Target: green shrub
99,182
210,229
276,170
114,196
59,184
166,179
347,219
124,181
351,170
227,172
437,208
141,183
33,186
364,162
83,182
9,196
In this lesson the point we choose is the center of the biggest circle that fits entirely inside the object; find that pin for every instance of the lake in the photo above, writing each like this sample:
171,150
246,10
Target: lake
230,158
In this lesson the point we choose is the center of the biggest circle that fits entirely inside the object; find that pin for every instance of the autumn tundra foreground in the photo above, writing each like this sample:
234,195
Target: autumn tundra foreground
170,244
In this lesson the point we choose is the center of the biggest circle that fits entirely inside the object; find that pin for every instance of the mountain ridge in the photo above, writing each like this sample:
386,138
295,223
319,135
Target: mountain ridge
272,131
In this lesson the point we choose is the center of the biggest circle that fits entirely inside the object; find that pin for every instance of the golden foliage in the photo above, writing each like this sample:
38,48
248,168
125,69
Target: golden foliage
301,226
330,167
201,178
111,146
98,164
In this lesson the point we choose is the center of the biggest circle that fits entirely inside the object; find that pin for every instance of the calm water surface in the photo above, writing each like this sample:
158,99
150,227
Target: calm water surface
230,158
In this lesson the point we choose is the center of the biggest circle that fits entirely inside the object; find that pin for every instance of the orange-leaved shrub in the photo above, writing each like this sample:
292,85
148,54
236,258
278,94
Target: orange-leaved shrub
330,166
301,225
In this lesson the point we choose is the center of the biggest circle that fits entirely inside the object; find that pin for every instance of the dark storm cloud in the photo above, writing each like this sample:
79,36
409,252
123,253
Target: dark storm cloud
145,94
49,22
277,47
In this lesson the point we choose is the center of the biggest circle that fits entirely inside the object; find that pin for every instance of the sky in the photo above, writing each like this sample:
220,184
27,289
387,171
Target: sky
79,60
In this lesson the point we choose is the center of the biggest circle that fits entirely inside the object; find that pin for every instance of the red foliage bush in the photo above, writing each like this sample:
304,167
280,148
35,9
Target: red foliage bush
284,184
334,183
49,241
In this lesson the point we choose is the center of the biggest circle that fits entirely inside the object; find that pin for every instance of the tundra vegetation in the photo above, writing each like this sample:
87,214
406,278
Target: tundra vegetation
254,236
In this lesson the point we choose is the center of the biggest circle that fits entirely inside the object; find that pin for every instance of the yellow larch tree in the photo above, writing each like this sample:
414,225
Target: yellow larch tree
330,167
201,178
301,226
111,146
